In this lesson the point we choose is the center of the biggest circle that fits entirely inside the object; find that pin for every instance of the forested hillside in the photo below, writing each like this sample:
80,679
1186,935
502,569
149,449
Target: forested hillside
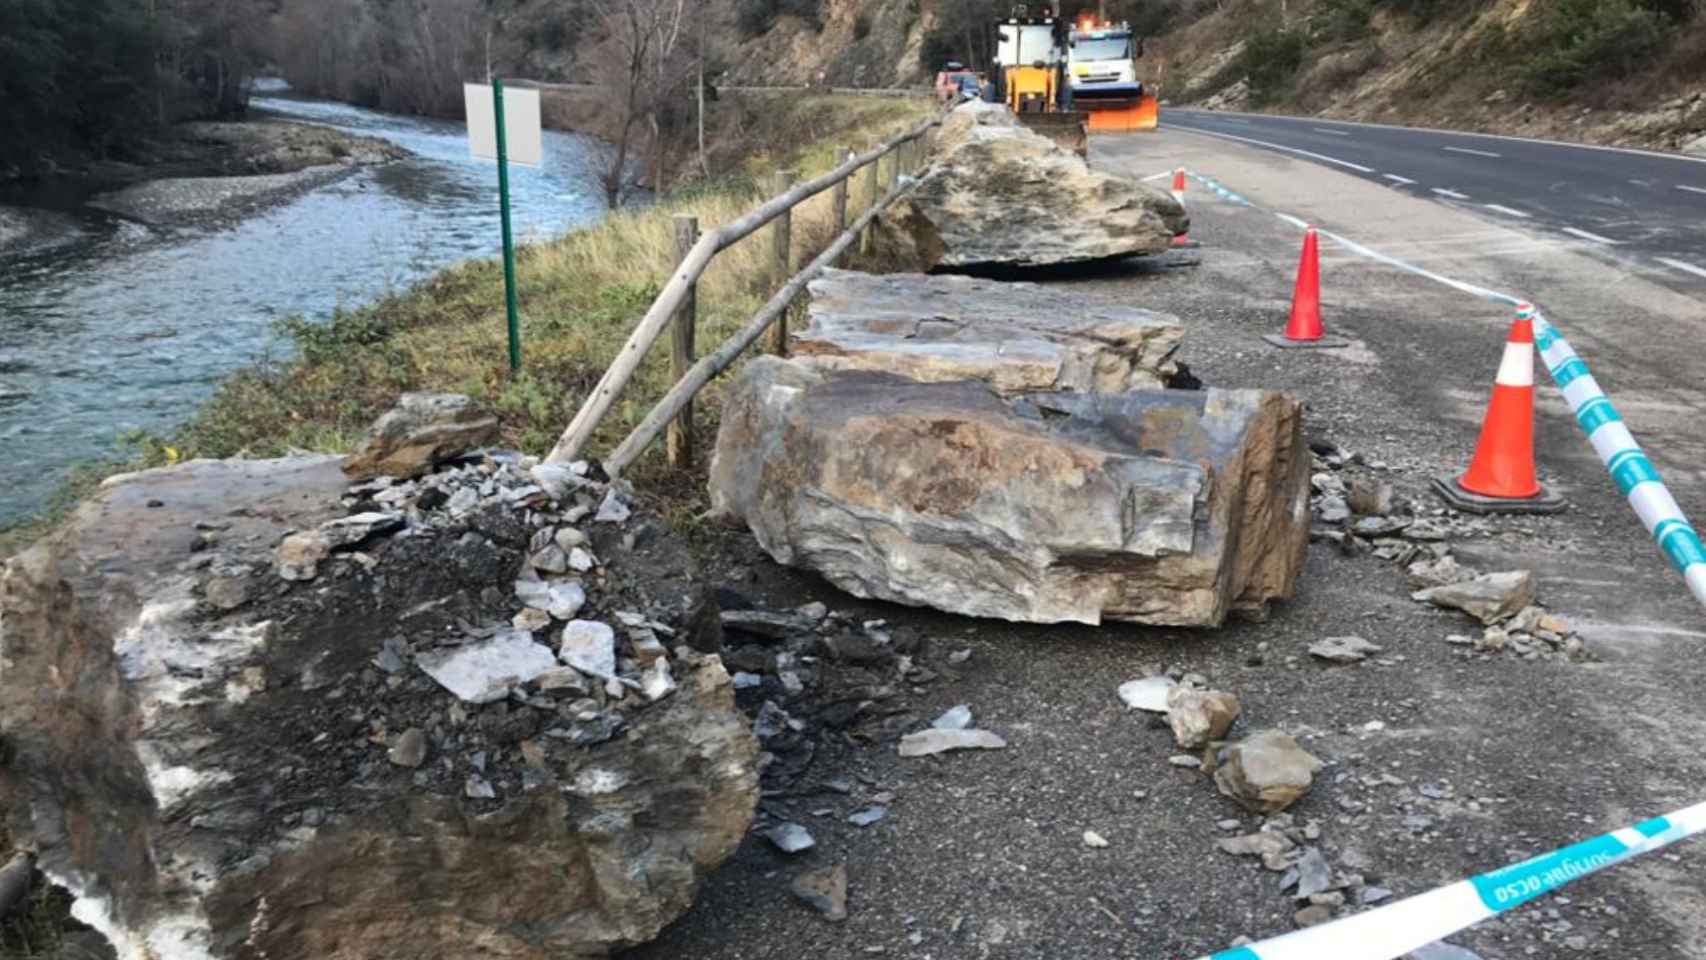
91,75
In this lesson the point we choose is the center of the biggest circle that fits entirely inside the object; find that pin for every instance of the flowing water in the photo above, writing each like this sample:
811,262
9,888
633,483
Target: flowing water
129,327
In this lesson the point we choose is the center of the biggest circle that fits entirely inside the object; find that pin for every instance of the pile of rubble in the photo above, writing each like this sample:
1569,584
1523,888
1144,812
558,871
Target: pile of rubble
1363,515
251,703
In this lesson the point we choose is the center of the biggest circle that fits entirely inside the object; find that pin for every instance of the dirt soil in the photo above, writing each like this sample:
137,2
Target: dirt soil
1441,763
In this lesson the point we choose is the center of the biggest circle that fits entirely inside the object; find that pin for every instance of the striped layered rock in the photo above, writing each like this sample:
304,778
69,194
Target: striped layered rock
298,775
997,194
1016,337
1162,506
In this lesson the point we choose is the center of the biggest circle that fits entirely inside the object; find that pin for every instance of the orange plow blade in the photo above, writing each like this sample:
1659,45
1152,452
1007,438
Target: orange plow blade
1145,114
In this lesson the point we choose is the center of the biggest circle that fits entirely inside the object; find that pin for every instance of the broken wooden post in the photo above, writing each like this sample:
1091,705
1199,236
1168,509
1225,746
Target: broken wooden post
679,443
782,241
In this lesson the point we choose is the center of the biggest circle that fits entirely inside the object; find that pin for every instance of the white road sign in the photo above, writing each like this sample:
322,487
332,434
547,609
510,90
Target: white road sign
521,124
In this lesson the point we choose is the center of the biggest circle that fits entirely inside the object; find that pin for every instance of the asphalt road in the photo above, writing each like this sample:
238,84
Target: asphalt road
1644,208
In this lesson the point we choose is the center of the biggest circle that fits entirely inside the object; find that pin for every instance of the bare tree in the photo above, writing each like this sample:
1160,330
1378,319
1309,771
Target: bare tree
641,63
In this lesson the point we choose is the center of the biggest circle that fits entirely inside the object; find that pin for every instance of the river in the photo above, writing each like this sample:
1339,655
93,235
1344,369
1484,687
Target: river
129,327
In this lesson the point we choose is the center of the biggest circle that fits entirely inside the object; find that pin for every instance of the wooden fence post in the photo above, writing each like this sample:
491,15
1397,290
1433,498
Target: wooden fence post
839,197
679,441
782,242
871,196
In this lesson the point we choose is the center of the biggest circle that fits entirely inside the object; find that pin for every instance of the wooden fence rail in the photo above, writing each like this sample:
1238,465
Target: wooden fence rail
677,293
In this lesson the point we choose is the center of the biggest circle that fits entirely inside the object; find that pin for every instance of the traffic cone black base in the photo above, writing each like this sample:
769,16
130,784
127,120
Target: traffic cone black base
1458,498
1325,343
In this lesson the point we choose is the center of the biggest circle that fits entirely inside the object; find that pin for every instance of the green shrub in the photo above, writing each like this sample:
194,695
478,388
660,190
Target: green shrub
1271,58
1572,43
1341,19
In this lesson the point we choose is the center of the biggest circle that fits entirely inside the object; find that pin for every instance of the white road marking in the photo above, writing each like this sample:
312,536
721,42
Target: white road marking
1158,176
1280,146
1336,133
1453,194
1596,238
1234,117
1690,189
1684,267
1478,153
1507,211
1397,179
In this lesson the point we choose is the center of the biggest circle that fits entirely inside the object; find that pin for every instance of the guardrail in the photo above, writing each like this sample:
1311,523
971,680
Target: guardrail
748,88
676,305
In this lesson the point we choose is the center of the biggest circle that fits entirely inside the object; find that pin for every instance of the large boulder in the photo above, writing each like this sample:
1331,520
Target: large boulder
996,193
1163,506
373,763
1016,337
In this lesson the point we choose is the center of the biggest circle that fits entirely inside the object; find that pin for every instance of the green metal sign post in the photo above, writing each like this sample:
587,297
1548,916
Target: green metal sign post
509,245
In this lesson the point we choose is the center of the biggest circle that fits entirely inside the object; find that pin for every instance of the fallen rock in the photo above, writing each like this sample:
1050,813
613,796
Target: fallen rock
1200,716
487,670
954,718
1166,507
210,784
1371,498
1266,772
1438,573
1314,874
927,742
997,193
868,815
1016,337
1094,840
1343,649
1149,693
420,432
410,750
299,555
590,647
1313,915
824,890
1268,843
790,837
1440,950
1489,598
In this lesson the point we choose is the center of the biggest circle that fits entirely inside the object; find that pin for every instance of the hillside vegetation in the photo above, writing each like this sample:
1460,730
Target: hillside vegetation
1624,71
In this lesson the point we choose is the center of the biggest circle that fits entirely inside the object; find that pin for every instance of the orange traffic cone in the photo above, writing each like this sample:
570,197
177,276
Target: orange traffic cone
1501,476
1182,239
1303,328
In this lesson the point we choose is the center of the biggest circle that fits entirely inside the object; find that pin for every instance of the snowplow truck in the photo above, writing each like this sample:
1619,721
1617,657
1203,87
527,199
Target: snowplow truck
1102,72
1030,77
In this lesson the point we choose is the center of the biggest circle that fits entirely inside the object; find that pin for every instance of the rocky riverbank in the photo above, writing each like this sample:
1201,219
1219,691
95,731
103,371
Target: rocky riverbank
201,172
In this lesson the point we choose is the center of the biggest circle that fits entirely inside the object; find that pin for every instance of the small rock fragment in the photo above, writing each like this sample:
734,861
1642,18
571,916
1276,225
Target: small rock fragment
590,647
1149,693
613,509
1266,772
824,890
1094,840
868,815
927,742
955,718
1185,761
1371,498
1313,874
478,788
1489,598
1200,716
657,683
1313,915
298,556
790,837
410,750
1343,649
1440,950
485,670
1264,844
